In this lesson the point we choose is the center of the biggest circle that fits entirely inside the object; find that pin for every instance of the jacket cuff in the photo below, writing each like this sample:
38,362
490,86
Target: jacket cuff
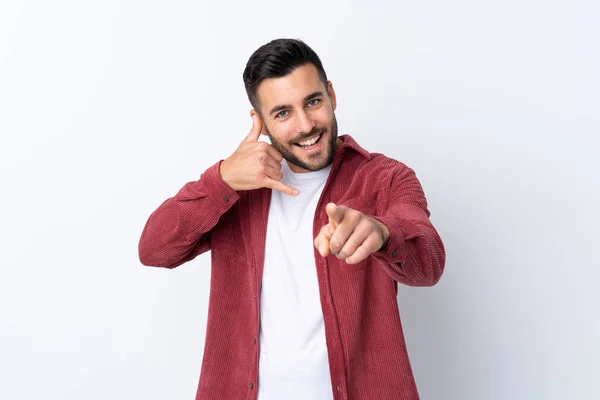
212,185
394,252
217,188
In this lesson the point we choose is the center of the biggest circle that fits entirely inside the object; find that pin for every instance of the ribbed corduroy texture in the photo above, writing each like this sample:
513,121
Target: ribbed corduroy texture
367,352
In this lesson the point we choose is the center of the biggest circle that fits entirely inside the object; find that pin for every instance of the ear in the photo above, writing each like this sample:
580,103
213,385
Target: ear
331,94
263,130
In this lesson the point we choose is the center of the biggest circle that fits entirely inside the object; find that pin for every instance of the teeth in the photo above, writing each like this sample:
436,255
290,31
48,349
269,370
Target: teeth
310,142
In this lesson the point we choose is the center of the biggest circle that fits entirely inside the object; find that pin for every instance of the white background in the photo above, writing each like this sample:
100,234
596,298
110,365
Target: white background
108,107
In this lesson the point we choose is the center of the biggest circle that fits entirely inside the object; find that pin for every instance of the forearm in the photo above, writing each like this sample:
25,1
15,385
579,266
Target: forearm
179,229
414,253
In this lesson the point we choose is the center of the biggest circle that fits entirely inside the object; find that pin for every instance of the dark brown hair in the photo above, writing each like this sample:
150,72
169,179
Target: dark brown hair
276,59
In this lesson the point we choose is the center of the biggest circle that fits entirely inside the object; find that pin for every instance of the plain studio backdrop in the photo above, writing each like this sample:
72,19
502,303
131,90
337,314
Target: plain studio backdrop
108,107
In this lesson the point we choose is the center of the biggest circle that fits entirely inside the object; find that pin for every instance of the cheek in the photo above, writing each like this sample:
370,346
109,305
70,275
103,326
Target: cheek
282,133
323,117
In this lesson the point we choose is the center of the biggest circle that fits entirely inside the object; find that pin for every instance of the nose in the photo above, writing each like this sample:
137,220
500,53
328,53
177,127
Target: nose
303,123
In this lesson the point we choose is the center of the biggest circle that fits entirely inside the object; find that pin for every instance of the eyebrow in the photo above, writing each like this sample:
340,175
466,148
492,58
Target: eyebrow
284,106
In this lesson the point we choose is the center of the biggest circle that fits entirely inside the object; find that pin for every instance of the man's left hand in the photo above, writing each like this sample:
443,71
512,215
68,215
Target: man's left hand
350,234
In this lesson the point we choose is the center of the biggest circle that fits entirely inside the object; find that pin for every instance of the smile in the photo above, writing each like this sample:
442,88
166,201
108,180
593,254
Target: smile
309,142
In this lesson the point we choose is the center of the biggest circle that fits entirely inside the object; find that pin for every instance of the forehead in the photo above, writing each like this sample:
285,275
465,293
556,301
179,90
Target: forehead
289,89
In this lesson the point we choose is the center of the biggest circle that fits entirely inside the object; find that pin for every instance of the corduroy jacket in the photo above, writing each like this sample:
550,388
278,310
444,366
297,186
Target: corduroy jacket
366,349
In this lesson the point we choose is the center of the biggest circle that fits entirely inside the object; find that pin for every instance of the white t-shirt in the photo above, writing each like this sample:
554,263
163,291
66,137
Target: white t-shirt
293,363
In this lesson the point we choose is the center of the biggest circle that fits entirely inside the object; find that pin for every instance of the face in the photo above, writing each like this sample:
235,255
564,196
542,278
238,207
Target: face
298,116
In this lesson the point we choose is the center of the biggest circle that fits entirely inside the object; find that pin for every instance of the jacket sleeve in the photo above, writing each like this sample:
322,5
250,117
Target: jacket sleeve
414,254
179,229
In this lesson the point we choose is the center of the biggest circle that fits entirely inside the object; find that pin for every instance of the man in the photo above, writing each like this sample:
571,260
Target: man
309,237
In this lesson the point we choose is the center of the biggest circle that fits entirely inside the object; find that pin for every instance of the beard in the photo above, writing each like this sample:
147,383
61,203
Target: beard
313,162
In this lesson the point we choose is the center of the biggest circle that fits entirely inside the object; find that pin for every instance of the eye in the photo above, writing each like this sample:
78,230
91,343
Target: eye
281,114
314,102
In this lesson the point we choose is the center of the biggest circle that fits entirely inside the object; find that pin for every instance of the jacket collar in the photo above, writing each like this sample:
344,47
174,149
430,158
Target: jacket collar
350,143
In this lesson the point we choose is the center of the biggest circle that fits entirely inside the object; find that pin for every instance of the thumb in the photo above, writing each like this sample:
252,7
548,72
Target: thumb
256,128
335,213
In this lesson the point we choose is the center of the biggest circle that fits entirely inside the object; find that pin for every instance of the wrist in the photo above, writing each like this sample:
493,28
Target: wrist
385,234
223,173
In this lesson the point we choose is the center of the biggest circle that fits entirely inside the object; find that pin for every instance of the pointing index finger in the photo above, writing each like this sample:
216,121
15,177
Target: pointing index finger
335,213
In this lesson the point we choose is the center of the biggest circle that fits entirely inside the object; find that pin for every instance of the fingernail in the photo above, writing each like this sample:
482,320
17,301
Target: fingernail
295,192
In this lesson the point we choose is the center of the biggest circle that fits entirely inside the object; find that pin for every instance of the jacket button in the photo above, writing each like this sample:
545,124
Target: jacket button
250,385
226,199
254,340
395,253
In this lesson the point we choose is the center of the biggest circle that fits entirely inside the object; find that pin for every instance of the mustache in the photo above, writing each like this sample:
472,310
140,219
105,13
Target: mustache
314,131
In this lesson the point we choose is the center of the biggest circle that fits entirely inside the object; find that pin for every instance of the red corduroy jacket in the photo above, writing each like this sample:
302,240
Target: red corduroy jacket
367,352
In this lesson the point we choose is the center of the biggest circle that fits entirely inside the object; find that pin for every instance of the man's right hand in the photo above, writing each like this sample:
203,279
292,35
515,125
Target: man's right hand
255,164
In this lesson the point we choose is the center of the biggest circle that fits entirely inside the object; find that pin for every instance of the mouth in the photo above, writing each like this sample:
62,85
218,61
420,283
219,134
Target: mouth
310,143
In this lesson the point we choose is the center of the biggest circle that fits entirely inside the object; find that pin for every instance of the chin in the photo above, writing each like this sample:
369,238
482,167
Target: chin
306,160
315,161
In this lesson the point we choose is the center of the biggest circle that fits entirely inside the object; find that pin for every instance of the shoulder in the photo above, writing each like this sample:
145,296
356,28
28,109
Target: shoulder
355,156
376,165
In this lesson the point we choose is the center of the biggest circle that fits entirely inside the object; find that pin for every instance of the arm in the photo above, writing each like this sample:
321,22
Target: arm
179,230
403,238
414,253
